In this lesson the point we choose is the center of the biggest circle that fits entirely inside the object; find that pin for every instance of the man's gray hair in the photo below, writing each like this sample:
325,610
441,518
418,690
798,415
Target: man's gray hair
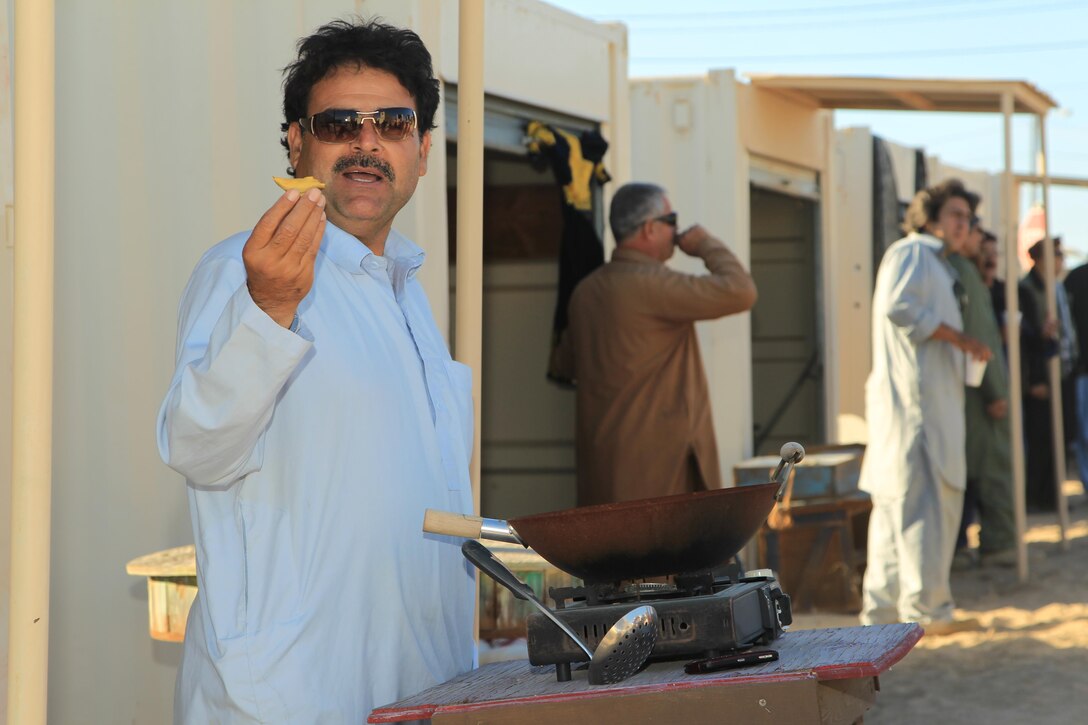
632,205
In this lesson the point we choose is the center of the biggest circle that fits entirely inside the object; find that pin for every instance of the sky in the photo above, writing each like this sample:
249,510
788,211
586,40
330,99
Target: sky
1044,42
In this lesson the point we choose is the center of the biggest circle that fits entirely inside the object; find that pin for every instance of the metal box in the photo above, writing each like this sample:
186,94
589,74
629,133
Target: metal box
822,475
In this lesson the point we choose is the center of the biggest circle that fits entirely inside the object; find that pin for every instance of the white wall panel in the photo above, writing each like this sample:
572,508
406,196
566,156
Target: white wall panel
6,350
851,265
562,59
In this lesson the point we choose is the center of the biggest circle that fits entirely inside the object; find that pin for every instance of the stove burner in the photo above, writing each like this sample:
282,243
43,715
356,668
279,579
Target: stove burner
690,584
699,615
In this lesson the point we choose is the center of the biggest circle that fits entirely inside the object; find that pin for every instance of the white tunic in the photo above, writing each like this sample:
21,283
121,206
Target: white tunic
914,394
914,464
310,459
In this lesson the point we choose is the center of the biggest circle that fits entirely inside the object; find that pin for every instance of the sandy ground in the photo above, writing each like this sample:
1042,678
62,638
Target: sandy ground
1029,663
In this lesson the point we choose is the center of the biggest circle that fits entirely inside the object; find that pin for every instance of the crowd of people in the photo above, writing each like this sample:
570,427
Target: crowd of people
939,439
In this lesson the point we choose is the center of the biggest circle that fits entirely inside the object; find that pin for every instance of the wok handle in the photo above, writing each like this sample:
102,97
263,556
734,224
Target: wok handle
488,563
469,527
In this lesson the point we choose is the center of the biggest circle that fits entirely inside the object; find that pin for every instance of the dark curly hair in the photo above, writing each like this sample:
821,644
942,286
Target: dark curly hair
926,204
362,44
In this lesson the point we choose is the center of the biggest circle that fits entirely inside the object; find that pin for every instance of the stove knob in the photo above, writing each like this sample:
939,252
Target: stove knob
783,606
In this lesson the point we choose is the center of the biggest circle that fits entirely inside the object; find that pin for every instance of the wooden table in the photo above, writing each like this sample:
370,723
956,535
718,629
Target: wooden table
822,676
820,556
171,589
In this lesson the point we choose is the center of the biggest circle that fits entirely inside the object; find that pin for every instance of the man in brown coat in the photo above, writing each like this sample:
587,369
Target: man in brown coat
644,427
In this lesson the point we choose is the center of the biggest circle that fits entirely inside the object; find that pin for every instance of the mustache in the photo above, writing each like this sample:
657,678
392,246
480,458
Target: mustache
365,161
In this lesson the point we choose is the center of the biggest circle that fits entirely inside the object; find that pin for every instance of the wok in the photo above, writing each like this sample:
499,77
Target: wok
636,539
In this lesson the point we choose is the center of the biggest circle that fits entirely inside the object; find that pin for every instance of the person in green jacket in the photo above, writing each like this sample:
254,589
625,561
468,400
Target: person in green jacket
986,408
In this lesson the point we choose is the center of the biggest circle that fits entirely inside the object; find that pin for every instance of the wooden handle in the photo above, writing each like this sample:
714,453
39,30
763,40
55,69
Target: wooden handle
447,524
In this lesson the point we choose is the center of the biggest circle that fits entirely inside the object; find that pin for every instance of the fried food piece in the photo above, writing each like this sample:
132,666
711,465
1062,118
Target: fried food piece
303,185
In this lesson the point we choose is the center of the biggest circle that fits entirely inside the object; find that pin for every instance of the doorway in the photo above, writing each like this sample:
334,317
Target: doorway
787,356
527,423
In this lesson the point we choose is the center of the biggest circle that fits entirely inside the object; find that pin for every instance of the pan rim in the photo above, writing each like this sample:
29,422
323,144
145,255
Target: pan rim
635,504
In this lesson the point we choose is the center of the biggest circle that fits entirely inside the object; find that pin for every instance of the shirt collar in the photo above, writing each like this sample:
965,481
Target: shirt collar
930,241
403,257
936,246
624,254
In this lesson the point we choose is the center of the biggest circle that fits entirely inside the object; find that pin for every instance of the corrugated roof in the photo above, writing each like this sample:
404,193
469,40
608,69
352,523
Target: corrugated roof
906,94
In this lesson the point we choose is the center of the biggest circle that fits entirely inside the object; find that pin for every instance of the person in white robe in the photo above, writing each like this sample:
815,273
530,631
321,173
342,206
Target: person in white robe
914,467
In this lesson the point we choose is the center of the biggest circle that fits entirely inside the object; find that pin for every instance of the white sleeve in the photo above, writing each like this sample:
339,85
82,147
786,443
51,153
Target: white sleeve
233,361
910,304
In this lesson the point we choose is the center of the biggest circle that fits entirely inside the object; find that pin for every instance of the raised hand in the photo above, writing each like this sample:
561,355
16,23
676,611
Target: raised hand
279,254
691,238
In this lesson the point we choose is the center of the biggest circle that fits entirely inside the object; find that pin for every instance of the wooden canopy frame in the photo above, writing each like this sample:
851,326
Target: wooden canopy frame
1006,97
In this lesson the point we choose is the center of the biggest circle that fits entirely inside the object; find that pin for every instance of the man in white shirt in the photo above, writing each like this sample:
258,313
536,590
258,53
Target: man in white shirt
316,413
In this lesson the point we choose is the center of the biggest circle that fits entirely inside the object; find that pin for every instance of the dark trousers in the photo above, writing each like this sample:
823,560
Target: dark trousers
1038,435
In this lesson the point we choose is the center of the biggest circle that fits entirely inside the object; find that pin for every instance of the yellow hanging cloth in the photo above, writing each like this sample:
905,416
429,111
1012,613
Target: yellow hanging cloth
582,171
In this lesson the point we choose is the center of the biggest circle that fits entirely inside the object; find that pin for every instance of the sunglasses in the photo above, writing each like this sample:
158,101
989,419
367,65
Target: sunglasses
339,125
671,219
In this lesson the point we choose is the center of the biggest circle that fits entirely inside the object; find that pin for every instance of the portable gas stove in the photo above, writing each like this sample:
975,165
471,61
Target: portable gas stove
705,614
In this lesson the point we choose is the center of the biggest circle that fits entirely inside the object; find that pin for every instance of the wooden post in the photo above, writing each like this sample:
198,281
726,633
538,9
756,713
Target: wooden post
1049,269
468,343
32,374
1012,325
